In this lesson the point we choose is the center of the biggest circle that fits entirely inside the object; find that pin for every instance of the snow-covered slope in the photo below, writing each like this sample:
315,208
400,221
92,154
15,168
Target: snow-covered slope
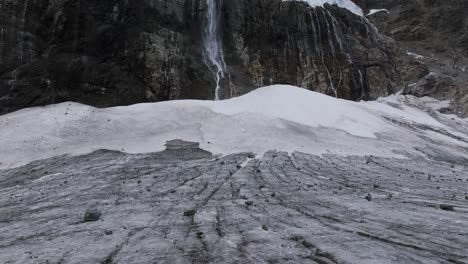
276,117
347,4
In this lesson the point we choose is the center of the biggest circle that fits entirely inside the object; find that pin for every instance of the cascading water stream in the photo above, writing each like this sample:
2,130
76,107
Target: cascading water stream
212,41
336,47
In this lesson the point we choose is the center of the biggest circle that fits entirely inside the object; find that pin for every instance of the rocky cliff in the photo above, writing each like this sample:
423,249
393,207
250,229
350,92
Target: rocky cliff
435,33
115,52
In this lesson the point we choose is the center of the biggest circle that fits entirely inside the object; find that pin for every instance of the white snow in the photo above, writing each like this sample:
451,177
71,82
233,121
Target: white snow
347,4
416,56
375,11
278,117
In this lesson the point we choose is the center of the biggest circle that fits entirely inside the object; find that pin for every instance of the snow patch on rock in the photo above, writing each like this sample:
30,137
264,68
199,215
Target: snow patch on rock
375,11
347,4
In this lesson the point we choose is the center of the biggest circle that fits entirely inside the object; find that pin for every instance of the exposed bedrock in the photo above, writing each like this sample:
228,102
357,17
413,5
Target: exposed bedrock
114,52
435,33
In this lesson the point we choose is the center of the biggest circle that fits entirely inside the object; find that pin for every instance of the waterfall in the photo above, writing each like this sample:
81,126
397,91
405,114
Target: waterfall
213,44
330,46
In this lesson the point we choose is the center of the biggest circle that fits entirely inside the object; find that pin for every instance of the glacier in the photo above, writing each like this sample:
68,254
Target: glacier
279,175
280,117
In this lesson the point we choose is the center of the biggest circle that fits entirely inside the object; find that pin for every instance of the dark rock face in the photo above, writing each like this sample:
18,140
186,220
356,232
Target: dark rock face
111,52
101,53
440,26
436,33
325,50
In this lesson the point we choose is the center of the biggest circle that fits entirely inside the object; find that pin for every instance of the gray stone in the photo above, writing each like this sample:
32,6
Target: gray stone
249,203
92,215
447,207
190,213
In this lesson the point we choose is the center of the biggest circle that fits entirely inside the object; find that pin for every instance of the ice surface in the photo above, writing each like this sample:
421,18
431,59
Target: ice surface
278,117
278,208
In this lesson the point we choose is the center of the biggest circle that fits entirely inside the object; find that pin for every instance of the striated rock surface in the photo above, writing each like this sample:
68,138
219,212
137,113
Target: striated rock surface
114,52
184,205
328,50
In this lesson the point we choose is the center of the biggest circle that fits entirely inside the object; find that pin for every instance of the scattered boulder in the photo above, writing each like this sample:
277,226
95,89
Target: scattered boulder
368,197
190,212
91,215
447,207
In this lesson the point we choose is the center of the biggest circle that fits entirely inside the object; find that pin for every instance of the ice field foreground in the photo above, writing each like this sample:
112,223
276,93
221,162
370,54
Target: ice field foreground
376,182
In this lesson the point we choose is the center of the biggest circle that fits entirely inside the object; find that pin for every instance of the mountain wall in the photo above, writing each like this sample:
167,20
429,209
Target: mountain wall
113,52
435,33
